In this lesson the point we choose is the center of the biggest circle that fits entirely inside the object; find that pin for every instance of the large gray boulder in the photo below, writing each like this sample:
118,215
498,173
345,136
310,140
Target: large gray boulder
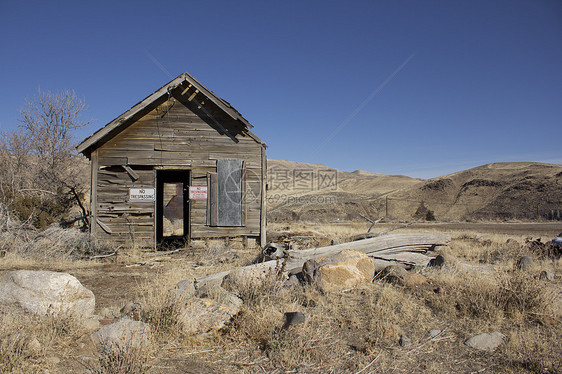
46,293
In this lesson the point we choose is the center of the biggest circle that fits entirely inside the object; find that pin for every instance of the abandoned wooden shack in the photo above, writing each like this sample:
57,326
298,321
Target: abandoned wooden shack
181,164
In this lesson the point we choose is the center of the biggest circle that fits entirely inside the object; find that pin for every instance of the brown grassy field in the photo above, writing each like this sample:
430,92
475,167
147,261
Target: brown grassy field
354,331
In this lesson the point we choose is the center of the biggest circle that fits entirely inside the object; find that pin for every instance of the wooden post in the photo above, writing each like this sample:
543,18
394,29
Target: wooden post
263,213
93,192
386,207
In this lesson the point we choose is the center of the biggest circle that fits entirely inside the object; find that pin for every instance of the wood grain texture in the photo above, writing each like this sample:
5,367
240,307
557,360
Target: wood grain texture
177,135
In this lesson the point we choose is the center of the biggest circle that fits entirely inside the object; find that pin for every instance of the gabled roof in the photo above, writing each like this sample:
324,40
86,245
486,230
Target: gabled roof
105,131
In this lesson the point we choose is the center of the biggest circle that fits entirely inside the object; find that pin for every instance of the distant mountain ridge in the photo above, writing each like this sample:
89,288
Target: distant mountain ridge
507,190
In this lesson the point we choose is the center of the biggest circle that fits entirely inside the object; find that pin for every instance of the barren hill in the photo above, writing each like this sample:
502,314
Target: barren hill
511,190
310,191
503,190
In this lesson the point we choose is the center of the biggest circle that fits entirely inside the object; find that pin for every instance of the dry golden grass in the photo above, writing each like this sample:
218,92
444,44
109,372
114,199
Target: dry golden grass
356,330
28,342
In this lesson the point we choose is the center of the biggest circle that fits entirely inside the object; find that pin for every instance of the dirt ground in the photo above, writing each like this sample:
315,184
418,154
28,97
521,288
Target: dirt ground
549,229
114,284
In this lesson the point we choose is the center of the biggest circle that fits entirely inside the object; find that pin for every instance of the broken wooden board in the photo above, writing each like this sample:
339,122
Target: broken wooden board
408,249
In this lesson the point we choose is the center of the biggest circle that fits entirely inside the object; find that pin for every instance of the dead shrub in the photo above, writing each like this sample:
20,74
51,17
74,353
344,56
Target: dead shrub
542,250
342,331
25,339
531,349
161,307
497,253
52,244
509,295
64,244
14,352
267,285
130,358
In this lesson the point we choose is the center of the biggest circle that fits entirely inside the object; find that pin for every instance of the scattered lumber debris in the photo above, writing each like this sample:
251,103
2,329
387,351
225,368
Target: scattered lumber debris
370,234
371,221
408,249
552,249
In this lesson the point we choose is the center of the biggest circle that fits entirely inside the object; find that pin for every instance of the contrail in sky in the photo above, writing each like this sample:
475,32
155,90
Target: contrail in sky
363,104
157,63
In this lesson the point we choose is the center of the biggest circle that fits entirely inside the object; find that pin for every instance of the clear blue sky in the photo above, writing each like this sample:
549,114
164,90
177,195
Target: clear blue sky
421,88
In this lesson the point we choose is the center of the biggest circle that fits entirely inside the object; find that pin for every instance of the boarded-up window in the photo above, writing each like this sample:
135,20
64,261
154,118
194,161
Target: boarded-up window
227,193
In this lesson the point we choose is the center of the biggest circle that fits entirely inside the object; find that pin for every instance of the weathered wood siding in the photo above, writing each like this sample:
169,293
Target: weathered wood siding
180,134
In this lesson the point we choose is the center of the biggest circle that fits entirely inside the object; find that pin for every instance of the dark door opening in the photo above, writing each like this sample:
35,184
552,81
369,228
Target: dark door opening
172,207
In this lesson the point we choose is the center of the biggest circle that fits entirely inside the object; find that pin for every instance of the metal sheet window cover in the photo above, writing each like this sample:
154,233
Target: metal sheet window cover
230,174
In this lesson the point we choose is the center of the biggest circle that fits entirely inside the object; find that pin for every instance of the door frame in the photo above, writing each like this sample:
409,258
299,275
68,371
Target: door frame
172,175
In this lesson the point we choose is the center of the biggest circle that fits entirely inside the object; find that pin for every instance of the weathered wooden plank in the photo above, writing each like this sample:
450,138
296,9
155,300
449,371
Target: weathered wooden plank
94,170
263,201
213,197
131,172
108,161
104,226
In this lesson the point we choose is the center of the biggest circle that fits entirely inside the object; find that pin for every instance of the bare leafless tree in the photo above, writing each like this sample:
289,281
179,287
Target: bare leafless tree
49,121
40,158
14,162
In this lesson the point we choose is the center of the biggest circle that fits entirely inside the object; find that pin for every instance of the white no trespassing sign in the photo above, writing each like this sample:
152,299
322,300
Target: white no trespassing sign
141,194
198,192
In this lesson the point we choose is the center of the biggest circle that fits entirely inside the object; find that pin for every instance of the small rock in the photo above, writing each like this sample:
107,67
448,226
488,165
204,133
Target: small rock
132,309
525,263
220,295
185,288
123,333
34,346
546,275
293,318
405,341
511,241
91,324
437,262
443,260
240,279
434,333
292,281
358,344
201,316
109,313
486,342
413,280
